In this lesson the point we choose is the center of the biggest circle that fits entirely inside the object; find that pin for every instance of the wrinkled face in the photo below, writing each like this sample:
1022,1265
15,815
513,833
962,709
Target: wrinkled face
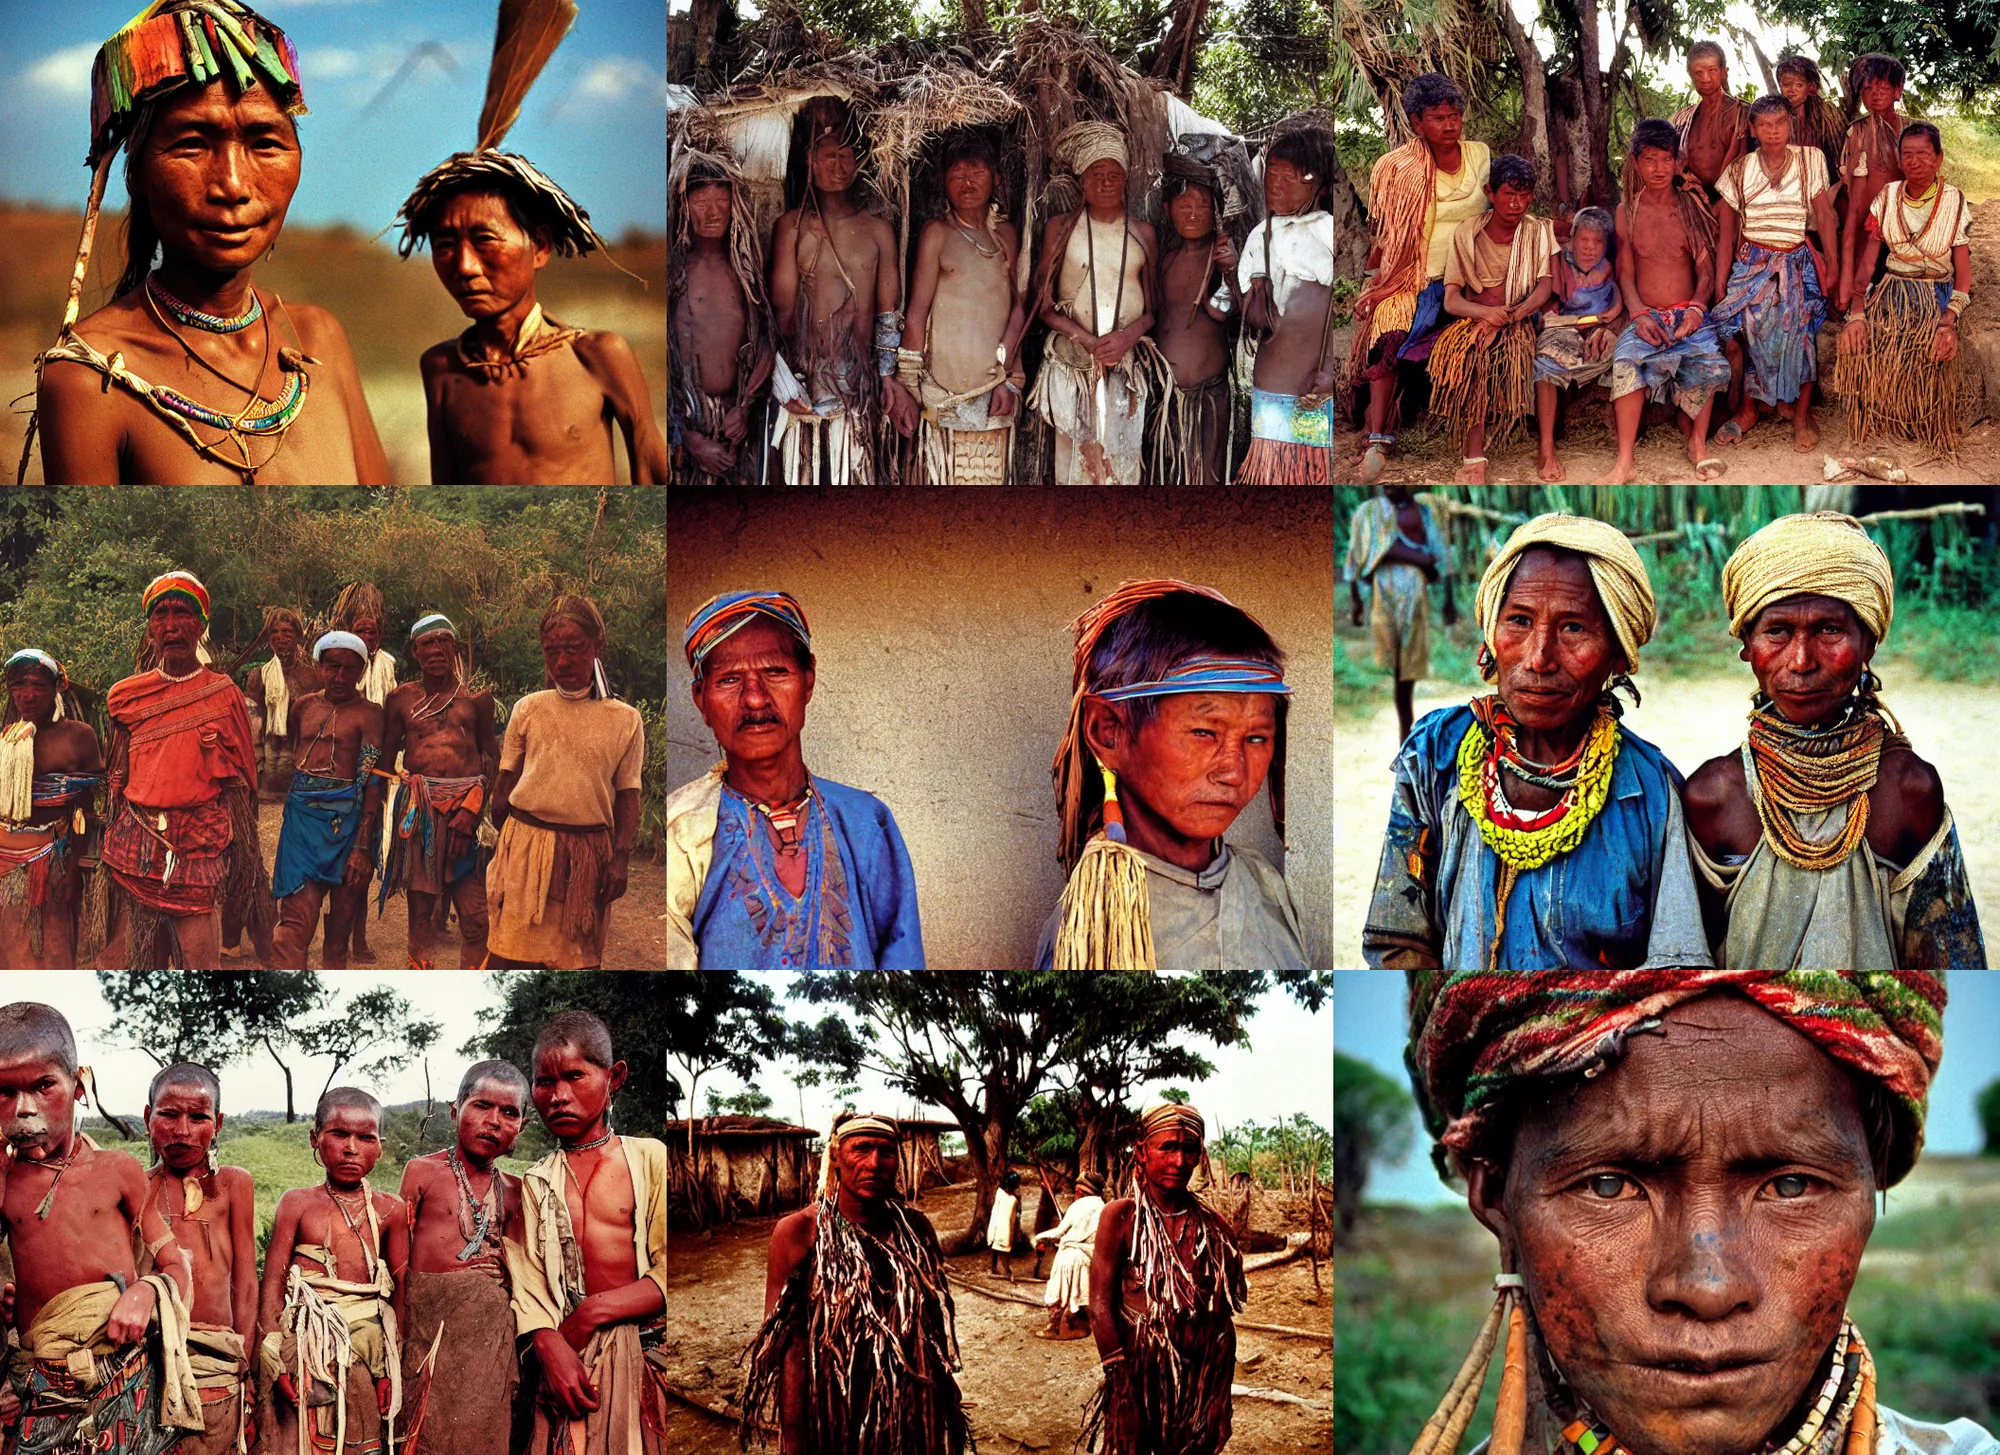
174,627
1880,96
218,174
349,1144
284,637
1689,1224
1773,130
489,1118
1167,1159
182,1125
833,164
486,260
754,691
31,691
1201,758
1586,245
1511,203
1193,213
369,629
571,1091
1808,653
37,1104
1555,646
1441,125
568,653
1708,75
1795,89
707,207
435,653
866,1166
341,667
1656,166
1104,184
1920,163
968,183
1289,191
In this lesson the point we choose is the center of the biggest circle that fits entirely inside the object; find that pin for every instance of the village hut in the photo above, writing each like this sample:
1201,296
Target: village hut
736,1167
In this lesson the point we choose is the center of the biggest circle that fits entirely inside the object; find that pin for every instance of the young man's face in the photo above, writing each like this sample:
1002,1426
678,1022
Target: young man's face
1880,96
1808,653
1201,759
1439,125
571,1091
349,1144
1193,213
369,629
753,692
37,1104
1708,75
569,655
31,689
833,164
968,183
489,1119
866,1166
435,653
707,205
341,667
218,173
284,637
1104,184
181,1126
1773,130
1168,1159
1689,1224
1511,203
1287,190
483,256
1656,166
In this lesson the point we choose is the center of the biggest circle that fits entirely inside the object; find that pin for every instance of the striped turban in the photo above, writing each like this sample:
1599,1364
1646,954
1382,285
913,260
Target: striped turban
1167,1116
36,657
176,583
719,617
1822,554
1615,569
1477,1036
437,621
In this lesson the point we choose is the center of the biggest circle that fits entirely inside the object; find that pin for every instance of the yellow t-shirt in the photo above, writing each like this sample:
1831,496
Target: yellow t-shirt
1460,195
573,757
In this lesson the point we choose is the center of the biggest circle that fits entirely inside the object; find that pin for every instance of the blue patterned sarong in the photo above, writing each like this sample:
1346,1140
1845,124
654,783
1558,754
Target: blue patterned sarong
322,821
1774,301
1692,368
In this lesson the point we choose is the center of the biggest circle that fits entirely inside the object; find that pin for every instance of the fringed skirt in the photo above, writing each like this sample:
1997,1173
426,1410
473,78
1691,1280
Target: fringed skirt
1892,386
1493,386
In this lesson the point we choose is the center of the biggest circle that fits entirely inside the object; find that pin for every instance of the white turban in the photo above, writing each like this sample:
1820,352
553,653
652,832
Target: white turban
334,640
1822,554
1091,141
1615,569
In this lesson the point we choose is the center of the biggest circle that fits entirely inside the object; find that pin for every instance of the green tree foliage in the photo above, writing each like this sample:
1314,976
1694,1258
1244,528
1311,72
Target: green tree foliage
1989,1118
645,1013
752,1101
1951,49
1371,1121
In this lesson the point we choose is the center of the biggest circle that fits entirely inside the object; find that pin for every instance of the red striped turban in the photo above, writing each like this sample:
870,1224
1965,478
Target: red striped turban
176,583
1476,1036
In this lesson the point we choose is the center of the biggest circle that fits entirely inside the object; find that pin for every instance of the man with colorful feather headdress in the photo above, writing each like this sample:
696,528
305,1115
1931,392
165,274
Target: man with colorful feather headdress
518,398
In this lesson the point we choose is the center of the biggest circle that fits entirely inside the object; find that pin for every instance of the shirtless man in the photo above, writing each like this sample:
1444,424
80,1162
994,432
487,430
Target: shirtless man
450,756
1715,130
962,361
1094,289
599,1334
518,398
722,339
1197,266
246,389
65,764
463,1208
359,609
271,690
1872,161
1287,276
340,1244
837,296
1666,268
333,810
70,1212
213,1213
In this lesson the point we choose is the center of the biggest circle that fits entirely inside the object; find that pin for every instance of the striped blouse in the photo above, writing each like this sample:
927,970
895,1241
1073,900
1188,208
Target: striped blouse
1775,214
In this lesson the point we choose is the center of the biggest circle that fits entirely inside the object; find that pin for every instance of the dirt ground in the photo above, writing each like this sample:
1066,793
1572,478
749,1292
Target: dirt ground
1021,1392
1691,720
638,939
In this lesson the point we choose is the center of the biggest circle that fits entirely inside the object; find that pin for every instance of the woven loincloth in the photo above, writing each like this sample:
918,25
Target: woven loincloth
1189,419
175,869
1493,386
321,826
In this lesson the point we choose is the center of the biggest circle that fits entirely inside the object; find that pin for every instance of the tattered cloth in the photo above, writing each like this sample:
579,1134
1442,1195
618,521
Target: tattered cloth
425,852
221,1365
1824,553
80,1392
1615,569
469,1406
336,1337
504,172
1477,1035
542,893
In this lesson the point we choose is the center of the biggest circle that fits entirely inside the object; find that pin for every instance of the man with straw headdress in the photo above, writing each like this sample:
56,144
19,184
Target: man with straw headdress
269,692
1531,827
50,766
566,802
1093,288
443,733
1176,720
518,398
1165,1282
1898,364
1824,842
837,294
961,356
1680,1168
1287,277
218,383
858,1346
768,865
719,345
1199,300
181,823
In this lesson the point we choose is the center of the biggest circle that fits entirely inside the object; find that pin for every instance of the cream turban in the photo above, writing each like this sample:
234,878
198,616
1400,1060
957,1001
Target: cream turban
1164,1116
845,1125
1091,141
1615,568
1822,554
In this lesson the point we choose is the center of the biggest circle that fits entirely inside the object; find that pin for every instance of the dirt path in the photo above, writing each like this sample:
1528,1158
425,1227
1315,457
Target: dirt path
638,938
1021,1392
1691,720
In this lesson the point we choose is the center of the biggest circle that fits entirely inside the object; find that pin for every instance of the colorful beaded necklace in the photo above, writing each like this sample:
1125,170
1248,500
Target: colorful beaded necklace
1528,841
784,819
195,318
1814,769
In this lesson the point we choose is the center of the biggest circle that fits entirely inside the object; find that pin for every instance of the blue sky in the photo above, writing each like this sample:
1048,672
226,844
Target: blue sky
595,121
1370,1021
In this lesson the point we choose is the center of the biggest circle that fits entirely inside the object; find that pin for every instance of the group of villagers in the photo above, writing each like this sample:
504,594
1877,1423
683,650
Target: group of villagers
144,853
1705,282
858,1348
795,360
1531,829
1176,724
192,374
473,1311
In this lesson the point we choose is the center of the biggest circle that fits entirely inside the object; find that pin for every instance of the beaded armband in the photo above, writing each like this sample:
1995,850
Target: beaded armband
1960,301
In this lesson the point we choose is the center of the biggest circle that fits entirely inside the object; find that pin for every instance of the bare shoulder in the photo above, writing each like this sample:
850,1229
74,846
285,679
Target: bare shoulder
1716,783
320,332
1116,1213
388,1205
601,348
291,1203
439,358
74,740
235,1182
1918,790
793,1236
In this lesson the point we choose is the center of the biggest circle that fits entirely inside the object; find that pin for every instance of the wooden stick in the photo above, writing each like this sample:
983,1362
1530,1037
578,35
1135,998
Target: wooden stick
1277,1396
1460,507
1326,1338
1952,507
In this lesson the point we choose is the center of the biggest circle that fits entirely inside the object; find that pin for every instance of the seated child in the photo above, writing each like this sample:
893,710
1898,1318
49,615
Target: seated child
1573,350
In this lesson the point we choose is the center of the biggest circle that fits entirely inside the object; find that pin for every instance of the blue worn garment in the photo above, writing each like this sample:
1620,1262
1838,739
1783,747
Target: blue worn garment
1775,302
322,821
859,908
1623,898
1430,319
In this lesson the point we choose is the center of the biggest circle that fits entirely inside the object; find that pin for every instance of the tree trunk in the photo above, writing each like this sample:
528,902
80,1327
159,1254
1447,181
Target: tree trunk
706,15
290,1115
972,16
1175,61
1596,115
1534,101
1350,225
986,1147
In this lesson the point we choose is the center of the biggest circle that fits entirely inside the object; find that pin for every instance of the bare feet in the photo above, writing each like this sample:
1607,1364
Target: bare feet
1471,472
1622,473
1805,435
1552,469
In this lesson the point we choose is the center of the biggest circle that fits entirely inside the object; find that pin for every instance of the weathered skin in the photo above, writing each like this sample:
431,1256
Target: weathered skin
1704,1202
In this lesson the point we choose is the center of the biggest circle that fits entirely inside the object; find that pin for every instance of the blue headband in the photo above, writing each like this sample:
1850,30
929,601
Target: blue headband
1205,674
